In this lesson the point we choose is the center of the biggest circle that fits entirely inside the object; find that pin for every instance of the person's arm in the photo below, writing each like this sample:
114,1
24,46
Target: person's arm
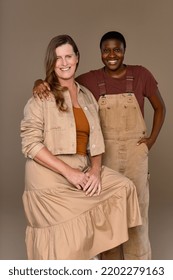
41,89
48,160
32,134
158,119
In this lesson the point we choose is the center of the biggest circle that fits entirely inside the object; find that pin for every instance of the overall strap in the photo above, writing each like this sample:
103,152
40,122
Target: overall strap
101,82
129,81
102,88
102,85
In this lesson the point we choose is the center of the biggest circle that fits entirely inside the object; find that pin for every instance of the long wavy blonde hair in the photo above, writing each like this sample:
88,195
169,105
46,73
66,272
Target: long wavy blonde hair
50,60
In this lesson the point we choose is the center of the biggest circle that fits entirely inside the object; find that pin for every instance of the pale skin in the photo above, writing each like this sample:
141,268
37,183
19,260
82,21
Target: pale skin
112,55
89,181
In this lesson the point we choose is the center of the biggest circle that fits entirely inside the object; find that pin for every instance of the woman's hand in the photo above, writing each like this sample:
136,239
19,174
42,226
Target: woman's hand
148,141
41,89
93,184
88,181
78,178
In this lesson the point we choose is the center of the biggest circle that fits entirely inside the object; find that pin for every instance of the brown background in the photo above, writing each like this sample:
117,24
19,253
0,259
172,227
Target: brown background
26,27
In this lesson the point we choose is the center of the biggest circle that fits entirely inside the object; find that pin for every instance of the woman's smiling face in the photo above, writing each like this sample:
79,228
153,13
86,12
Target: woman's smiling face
112,54
66,62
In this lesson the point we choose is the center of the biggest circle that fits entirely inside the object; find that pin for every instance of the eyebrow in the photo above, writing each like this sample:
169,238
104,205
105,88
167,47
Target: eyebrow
66,54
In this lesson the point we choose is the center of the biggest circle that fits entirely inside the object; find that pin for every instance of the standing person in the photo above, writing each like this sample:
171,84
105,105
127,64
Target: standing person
120,90
75,207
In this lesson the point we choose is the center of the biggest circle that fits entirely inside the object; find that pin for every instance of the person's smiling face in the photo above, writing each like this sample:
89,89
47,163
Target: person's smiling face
66,62
112,54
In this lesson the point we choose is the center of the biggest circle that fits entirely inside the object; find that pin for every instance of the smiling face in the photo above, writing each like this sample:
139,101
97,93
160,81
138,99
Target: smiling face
112,54
66,62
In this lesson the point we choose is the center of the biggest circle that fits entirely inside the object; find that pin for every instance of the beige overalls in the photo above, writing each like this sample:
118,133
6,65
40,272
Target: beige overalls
123,125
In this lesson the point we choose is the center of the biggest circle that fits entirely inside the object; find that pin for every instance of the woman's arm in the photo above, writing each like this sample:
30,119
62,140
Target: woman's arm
32,134
47,159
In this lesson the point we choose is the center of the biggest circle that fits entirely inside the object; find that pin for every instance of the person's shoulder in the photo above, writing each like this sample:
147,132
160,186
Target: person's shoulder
31,101
137,68
36,101
90,74
82,76
141,73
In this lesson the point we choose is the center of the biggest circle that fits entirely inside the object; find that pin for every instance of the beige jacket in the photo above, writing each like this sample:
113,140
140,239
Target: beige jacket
44,125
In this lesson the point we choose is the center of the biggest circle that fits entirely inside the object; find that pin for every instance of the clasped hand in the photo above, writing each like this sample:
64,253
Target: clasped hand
89,181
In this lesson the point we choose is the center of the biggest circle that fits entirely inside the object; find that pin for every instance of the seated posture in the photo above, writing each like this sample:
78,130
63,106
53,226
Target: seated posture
75,207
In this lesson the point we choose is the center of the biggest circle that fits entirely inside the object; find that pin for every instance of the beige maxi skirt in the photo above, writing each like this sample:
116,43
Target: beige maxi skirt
65,224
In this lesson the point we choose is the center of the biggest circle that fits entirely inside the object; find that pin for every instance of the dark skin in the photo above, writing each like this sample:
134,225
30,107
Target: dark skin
112,55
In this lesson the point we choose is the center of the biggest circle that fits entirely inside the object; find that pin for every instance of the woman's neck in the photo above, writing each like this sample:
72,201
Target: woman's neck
70,84
72,87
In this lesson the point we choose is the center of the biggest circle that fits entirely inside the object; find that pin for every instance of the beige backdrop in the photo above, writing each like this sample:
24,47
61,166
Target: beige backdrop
26,26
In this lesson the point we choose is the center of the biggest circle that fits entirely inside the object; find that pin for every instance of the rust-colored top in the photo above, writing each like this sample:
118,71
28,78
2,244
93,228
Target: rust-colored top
82,131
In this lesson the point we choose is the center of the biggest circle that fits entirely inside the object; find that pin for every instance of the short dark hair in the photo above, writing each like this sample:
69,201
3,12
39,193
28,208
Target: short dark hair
113,35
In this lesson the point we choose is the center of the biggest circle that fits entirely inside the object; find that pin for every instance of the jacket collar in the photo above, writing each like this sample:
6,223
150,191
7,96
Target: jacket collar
80,88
